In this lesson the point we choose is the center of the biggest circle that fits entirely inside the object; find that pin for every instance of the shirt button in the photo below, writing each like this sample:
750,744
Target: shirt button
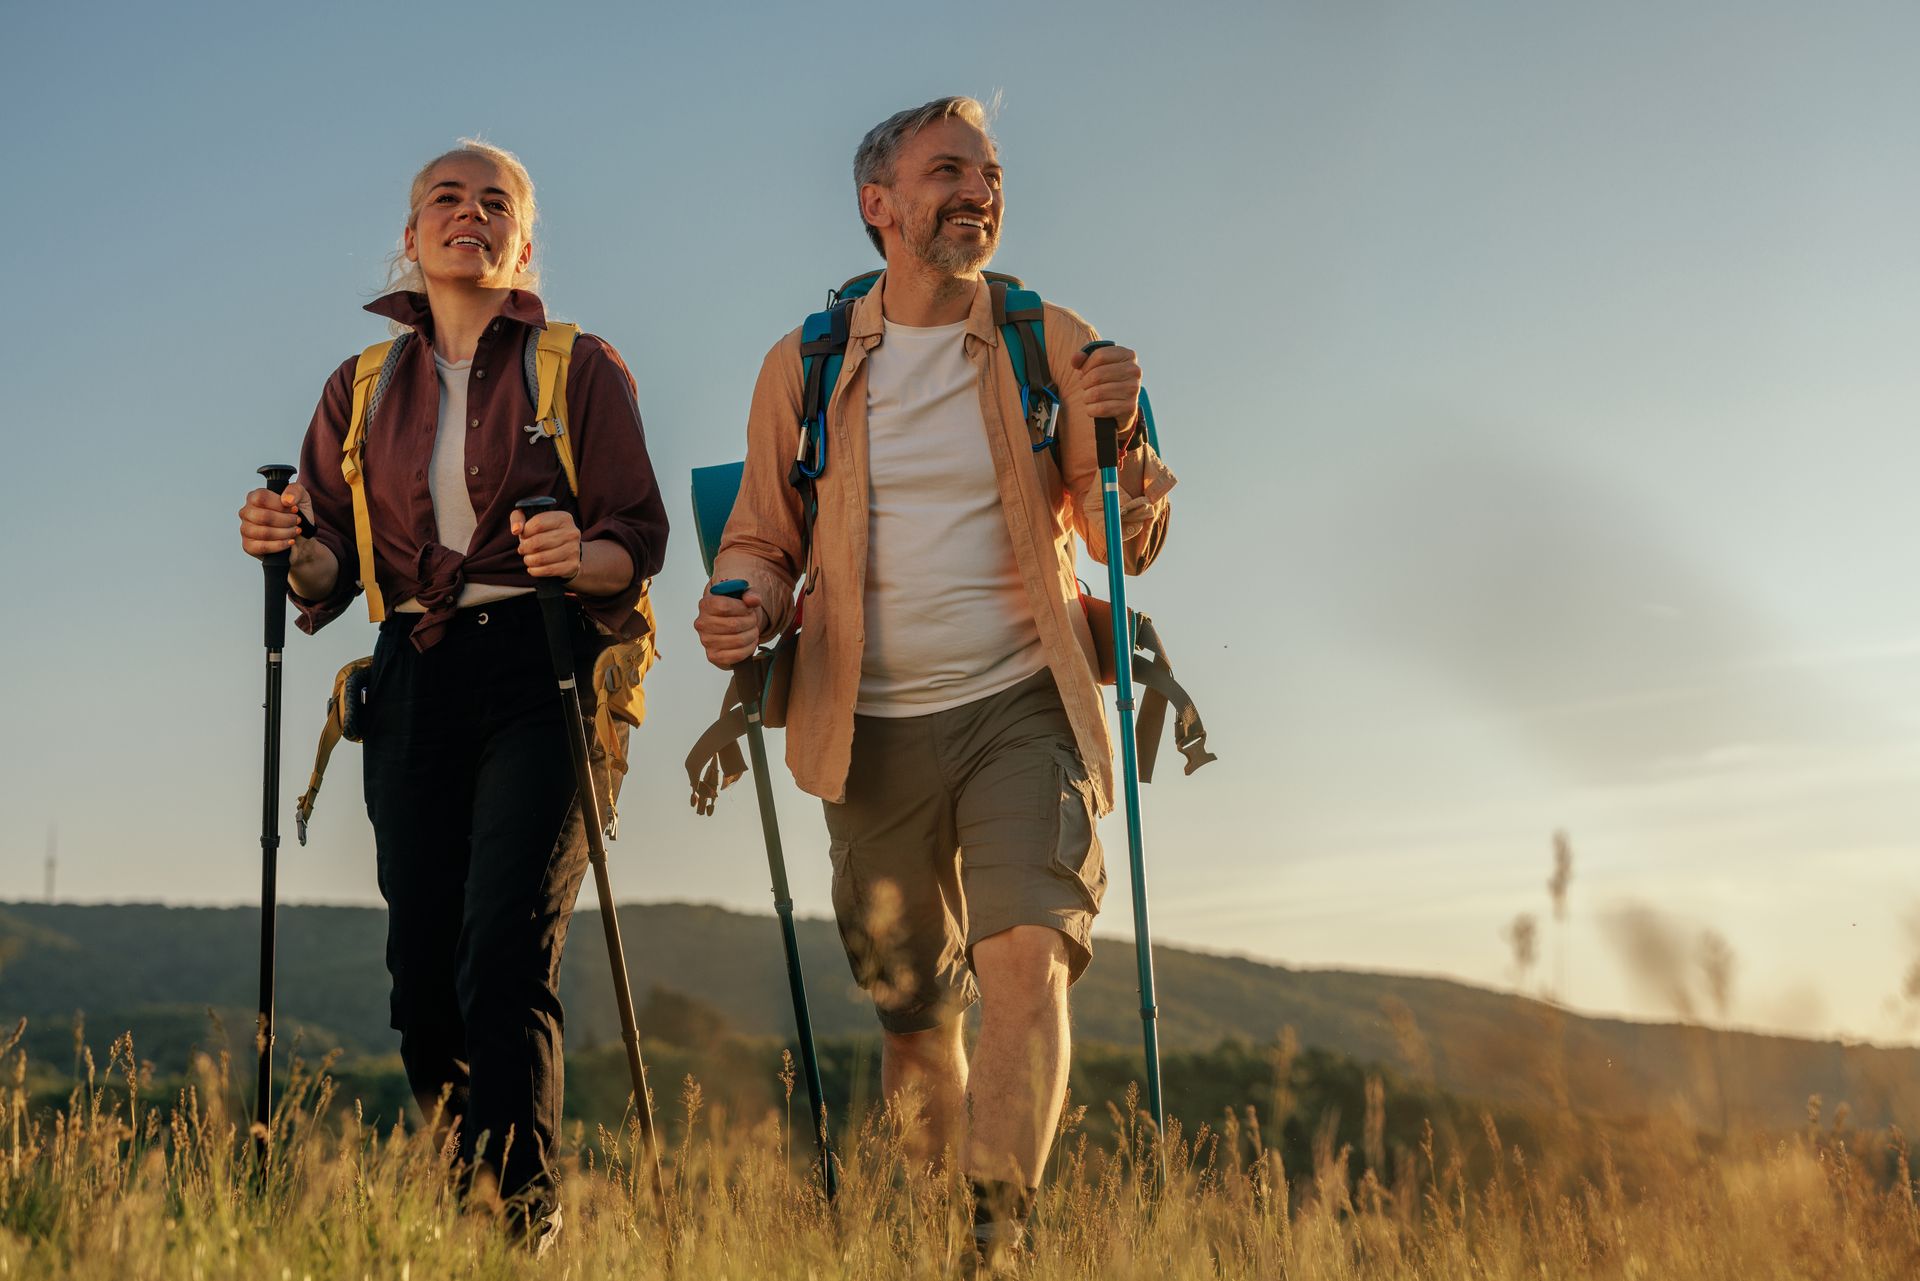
479,373
473,422
496,326
473,471
419,475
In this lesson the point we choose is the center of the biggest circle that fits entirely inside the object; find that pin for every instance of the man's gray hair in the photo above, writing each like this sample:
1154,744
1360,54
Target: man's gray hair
873,160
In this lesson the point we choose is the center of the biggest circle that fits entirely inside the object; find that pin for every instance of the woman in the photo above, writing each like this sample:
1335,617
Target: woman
469,784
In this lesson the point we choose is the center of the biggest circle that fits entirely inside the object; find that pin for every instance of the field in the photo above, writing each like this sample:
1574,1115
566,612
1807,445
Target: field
116,1182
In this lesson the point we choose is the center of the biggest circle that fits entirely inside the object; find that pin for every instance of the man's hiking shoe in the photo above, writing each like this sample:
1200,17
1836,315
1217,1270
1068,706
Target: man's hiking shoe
545,1232
535,1229
1000,1213
1003,1259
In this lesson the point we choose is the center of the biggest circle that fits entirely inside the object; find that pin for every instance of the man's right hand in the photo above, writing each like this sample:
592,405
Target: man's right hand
729,628
270,522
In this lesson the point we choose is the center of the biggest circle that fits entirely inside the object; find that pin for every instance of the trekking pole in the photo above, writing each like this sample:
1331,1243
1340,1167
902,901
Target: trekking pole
553,611
749,678
275,566
1106,436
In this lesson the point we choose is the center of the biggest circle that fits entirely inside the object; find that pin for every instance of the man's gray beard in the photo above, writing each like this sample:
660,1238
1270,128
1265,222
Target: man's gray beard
952,258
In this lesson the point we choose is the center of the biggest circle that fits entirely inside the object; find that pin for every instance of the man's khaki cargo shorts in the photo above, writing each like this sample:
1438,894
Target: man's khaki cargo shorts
958,825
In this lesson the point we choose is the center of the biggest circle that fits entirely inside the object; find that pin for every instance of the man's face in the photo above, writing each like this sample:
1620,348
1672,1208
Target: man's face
945,200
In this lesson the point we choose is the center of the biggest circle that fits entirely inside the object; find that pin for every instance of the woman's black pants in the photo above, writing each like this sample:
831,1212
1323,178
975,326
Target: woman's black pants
481,853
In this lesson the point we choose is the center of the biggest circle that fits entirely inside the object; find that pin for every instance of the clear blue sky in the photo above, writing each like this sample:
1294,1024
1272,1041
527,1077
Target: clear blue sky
1541,380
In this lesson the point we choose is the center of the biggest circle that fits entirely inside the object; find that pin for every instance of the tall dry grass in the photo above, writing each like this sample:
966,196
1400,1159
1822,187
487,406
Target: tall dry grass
119,1184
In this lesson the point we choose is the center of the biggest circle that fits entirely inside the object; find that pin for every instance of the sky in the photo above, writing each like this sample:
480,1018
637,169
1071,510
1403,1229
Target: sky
1540,380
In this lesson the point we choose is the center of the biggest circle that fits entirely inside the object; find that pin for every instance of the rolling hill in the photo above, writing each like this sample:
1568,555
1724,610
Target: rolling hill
156,970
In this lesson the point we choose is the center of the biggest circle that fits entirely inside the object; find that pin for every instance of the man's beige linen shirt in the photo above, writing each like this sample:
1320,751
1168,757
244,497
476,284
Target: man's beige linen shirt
762,543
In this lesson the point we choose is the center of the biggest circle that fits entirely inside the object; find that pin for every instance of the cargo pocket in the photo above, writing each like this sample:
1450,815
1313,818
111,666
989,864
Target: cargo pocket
1077,855
847,911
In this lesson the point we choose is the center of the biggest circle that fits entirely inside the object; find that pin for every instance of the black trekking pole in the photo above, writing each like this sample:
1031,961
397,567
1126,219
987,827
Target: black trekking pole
749,678
1106,436
553,612
275,566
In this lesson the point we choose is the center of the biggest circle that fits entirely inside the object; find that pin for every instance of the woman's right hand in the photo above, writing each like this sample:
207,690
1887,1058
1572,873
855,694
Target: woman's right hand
270,522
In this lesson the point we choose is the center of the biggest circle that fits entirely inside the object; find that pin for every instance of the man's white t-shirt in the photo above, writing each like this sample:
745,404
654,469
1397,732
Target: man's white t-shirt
947,617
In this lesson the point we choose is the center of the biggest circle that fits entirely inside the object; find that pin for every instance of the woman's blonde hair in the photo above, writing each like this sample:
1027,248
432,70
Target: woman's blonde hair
402,274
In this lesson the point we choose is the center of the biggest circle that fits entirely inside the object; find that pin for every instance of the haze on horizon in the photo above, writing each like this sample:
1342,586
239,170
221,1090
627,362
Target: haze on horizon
1541,384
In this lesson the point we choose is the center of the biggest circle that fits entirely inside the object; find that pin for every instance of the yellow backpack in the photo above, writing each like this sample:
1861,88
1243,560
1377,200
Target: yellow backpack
621,667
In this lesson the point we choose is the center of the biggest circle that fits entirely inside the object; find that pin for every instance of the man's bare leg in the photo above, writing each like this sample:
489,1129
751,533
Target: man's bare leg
1018,1081
932,1064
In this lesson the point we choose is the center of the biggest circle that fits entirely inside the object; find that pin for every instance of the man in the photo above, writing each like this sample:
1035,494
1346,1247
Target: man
944,701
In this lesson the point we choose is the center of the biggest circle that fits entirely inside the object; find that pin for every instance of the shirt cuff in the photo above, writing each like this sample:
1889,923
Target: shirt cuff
317,613
616,612
1144,475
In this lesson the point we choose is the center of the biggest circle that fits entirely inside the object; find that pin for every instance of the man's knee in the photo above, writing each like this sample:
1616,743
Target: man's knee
933,1047
1025,960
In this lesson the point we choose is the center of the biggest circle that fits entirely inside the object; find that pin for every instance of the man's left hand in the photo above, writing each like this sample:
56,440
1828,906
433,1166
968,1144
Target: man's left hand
1110,379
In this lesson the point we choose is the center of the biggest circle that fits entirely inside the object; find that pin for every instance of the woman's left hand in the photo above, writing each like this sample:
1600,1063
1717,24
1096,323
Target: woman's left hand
549,543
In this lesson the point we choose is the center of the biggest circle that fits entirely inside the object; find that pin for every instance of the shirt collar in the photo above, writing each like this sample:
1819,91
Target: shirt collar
409,307
869,320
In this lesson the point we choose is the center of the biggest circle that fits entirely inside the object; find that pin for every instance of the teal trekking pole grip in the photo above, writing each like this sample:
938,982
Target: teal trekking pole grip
552,594
1106,437
749,679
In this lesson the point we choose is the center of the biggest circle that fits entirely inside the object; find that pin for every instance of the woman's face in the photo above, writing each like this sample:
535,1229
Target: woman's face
467,229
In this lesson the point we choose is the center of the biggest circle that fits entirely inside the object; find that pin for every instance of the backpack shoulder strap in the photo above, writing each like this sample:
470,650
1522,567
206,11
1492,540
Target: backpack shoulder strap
549,355
1022,319
823,348
370,378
